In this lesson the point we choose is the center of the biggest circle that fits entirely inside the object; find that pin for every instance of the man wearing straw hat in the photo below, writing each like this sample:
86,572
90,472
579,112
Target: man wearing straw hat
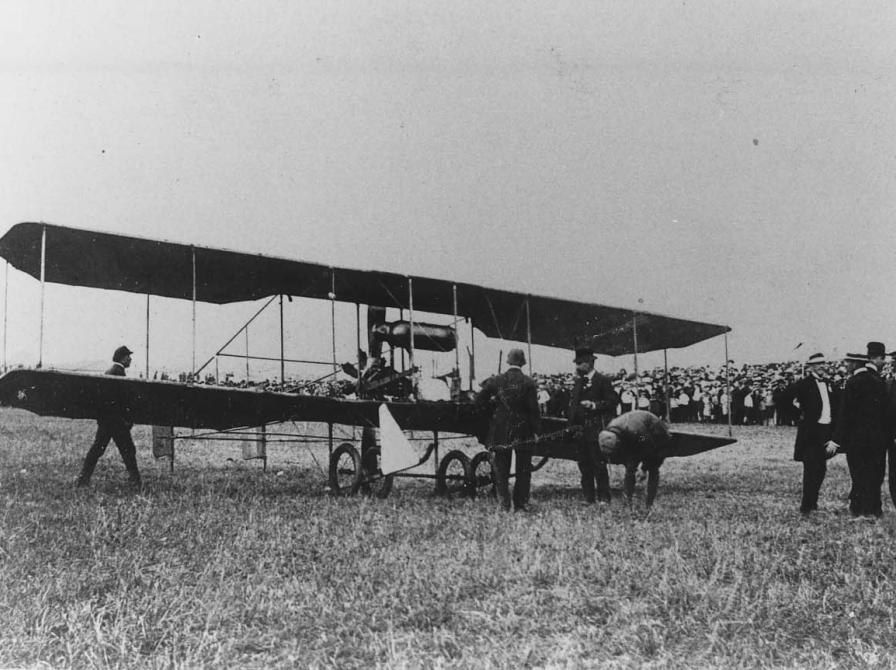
818,407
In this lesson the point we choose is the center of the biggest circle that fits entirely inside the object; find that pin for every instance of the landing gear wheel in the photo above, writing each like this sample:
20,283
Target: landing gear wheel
453,475
374,482
345,470
482,475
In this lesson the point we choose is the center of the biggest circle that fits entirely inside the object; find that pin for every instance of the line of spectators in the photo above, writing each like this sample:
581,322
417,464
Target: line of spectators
326,387
695,393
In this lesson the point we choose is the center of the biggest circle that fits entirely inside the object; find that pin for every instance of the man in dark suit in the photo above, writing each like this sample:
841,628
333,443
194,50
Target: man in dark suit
592,405
114,423
861,431
891,428
818,408
515,419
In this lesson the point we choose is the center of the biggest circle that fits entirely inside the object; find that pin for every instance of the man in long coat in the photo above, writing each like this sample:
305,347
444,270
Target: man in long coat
818,409
592,405
861,432
891,430
515,419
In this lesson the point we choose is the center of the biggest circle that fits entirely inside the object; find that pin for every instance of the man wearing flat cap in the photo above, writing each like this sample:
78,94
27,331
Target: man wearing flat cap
515,419
592,405
632,439
114,423
861,432
817,402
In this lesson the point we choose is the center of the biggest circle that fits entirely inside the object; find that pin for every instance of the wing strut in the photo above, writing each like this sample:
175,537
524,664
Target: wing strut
529,334
358,347
5,300
472,352
333,325
236,335
491,308
666,383
282,354
411,319
43,284
728,383
457,347
193,256
147,337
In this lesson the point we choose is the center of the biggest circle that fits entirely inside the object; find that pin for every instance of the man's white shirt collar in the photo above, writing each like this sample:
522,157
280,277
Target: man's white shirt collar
824,417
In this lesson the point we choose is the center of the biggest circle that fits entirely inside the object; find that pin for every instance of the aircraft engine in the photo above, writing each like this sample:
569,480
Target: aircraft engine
427,336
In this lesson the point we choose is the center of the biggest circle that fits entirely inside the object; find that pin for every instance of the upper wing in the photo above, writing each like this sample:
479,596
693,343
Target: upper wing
88,258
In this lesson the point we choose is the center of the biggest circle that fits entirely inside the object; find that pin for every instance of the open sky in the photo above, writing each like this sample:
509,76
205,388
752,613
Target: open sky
724,161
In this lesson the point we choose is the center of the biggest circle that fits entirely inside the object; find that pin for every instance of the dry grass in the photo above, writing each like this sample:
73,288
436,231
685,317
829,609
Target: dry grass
221,565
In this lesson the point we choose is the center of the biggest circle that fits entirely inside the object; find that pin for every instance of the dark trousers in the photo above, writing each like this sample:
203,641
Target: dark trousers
121,433
866,468
594,471
814,470
815,464
891,471
501,467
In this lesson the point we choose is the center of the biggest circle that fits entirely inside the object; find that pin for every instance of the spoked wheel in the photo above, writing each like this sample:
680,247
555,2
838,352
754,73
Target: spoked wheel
374,482
345,470
482,475
453,475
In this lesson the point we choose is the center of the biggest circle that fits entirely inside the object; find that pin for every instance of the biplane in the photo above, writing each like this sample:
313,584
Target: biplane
99,260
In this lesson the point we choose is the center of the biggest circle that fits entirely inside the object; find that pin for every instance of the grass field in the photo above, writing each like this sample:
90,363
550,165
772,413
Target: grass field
222,565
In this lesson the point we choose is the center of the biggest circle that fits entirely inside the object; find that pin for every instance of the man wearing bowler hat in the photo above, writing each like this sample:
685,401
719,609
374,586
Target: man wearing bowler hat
592,405
861,432
515,419
818,409
113,423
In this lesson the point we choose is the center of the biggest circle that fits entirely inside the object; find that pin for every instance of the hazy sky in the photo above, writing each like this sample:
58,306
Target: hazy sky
724,161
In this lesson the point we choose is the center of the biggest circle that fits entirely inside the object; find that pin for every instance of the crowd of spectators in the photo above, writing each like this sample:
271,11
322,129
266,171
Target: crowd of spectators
328,386
695,394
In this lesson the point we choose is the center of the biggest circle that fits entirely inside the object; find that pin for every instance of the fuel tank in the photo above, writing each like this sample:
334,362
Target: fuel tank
427,336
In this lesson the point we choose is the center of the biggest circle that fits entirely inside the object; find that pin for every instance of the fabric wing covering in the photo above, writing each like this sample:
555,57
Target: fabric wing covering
79,257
